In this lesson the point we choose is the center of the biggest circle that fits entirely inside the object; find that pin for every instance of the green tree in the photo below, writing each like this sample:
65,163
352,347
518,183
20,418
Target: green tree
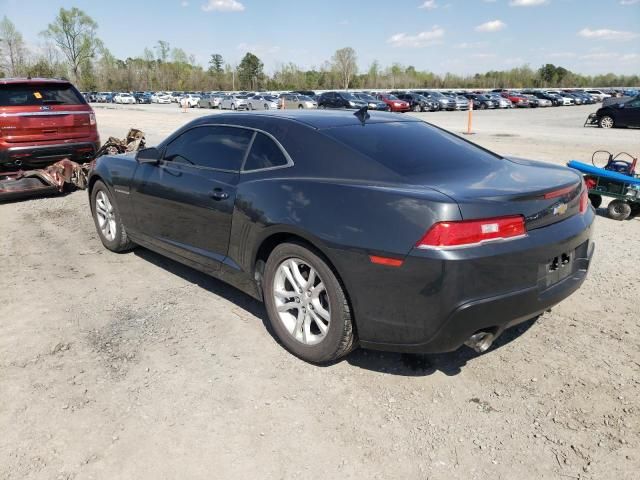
163,49
250,71
74,33
344,63
216,64
12,48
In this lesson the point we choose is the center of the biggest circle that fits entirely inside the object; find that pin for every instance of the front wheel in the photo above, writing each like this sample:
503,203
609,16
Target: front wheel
595,199
307,306
107,220
619,210
233,106
606,122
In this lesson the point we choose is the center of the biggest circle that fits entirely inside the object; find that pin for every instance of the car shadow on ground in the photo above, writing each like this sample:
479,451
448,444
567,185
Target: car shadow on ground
412,365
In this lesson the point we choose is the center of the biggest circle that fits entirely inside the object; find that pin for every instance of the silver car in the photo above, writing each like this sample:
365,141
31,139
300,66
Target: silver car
294,100
262,102
234,102
209,101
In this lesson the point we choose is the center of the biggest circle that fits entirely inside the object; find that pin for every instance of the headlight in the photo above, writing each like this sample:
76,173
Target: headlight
352,104
397,104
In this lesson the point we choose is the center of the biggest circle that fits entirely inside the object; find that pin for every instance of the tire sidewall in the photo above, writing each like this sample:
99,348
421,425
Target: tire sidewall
326,349
117,242
621,215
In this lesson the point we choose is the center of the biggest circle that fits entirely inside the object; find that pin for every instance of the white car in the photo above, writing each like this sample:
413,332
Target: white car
234,102
598,94
189,101
262,102
160,97
124,98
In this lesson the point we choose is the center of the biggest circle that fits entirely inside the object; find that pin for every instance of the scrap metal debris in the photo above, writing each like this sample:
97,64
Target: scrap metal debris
64,175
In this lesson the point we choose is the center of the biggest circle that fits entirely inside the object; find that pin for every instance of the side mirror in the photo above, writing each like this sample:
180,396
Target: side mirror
148,155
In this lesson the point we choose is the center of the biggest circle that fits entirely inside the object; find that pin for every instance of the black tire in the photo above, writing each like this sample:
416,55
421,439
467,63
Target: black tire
340,338
121,241
300,106
233,106
596,200
619,210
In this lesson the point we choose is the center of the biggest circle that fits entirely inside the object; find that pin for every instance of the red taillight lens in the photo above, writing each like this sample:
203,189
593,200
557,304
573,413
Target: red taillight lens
472,232
584,200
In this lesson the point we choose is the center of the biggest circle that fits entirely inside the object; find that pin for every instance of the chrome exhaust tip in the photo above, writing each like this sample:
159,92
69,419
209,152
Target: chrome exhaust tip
481,341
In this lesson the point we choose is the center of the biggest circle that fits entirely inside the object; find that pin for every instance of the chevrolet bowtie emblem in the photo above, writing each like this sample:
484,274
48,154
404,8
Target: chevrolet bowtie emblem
560,209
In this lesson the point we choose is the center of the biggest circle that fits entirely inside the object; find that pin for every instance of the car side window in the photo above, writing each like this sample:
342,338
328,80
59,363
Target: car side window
633,104
264,153
217,147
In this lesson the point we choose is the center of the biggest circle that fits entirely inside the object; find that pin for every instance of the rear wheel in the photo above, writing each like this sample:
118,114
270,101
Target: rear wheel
596,200
107,220
619,210
300,106
606,122
307,306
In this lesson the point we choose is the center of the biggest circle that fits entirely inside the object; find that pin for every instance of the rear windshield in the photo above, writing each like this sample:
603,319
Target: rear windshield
16,95
412,148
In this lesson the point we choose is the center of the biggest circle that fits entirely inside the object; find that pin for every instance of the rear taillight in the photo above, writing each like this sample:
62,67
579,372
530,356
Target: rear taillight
92,119
472,232
584,199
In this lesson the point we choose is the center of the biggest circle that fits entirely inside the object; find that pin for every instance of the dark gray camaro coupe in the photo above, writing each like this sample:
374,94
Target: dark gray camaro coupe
386,232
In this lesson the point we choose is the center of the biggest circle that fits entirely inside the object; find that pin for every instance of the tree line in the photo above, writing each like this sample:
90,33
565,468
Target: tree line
72,49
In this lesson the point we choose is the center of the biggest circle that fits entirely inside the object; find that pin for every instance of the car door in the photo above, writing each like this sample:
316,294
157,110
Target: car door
630,113
184,203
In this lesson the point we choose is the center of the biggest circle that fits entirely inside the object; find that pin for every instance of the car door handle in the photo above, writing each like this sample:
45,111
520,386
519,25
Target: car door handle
219,194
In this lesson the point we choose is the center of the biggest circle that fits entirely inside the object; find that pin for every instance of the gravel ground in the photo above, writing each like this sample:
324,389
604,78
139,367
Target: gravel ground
133,366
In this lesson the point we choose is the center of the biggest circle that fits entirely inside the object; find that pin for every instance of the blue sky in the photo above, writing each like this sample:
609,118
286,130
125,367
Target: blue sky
459,36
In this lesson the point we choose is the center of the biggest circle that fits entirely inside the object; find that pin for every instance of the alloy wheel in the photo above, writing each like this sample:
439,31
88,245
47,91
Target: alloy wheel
106,216
301,301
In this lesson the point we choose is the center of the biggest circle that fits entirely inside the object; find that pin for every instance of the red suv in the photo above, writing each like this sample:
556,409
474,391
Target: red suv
42,121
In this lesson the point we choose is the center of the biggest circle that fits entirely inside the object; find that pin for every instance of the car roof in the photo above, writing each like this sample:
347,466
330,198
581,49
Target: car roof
312,118
5,81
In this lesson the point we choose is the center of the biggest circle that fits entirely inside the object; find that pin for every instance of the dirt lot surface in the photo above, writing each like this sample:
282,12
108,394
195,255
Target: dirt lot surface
134,367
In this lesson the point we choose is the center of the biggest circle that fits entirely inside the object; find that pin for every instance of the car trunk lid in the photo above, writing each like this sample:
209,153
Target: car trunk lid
544,194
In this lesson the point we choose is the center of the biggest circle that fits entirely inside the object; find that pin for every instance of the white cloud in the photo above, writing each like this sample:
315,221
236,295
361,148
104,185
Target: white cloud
258,49
467,45
223,6
527,3
492,26
629,2
607,34
629,57
429,5
421,39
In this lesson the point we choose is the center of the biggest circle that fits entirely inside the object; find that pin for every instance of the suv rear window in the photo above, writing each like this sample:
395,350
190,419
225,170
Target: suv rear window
26,94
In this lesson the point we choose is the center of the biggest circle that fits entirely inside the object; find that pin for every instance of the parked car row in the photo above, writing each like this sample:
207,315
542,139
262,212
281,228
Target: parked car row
394,101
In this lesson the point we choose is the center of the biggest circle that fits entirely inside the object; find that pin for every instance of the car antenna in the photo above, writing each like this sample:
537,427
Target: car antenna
363,115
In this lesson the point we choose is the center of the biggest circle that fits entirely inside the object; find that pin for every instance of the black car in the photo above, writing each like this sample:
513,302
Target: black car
142,97
372,102
340,100
620,114
308,93
372,229
480,102
419,103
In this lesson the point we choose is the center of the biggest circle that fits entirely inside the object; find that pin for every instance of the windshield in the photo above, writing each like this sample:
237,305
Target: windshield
348,96
16,94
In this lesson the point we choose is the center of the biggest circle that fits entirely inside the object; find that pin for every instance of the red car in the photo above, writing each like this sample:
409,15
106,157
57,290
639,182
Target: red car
395,104
42,121
517,99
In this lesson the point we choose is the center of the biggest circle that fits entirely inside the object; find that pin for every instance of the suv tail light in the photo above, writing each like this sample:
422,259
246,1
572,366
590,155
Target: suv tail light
472,232
92,118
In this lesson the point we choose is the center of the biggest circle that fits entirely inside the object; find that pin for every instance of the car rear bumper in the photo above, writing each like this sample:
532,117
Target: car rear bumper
38,156
437,300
